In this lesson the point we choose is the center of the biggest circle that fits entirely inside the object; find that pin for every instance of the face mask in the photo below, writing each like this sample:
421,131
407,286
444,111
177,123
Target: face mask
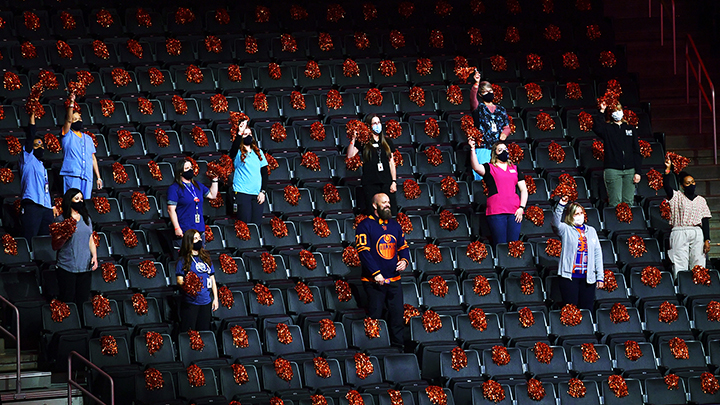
503,156
690,190
617,115
76,126
377,128
38,153
188,174
77,205
579,220
488,97
197,245
248,140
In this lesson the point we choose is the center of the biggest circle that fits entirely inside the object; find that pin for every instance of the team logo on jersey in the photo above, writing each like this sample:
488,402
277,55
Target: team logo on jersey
386,247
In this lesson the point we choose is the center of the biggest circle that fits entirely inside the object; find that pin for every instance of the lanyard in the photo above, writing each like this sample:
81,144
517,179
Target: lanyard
191,190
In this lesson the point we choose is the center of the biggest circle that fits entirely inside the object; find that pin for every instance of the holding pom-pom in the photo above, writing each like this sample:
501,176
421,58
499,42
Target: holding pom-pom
196,277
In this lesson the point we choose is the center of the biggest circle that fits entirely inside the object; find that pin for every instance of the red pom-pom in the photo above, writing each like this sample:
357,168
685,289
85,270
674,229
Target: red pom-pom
372,328
553,247
125,139
101,306
327,329
636,245
436,394
409,312
173,47
534,92
607,59
448,221
552,33
350,68
405,222
361,40
331,194
109,272
526,317
570,61
477,252
59,310
459,359
68,21
449,187
363,365
334,99
610,281
292,195
432,129
618,385
140,202
135,48
64,50
498,63
184,16
60,232
477,318
500,355
454,95
535,215
434,156
534,62
645,149
307,259
153,379
567,187
623,212
417,96
11,81
516,249
438,286
589,354
145,106
350,257
619,313
374,97
153,341
335,13
437,39
260,104
709,383
268,263
678,162
274,71
665,210
576,388
493,391
701,276
672,381
432,253
104,18
406,8
195,376
668,312
516,153
283,334
632,350
393,129
431,321
121,77
512,35
633,120
264,296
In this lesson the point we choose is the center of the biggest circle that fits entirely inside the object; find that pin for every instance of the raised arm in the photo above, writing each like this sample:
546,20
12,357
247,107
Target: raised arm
69,115
472,96
352,150
476,166
30,137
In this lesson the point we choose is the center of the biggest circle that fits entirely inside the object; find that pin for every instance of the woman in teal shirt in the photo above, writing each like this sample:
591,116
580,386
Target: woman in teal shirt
250,177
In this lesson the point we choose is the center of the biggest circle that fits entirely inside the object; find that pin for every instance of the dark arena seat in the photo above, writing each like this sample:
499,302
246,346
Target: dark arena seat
164,72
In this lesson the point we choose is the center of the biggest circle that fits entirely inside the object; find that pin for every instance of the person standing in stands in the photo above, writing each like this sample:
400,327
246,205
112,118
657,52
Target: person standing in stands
384,254
185,200
38,211
492,120
690,221
378,170
504,209
622,154
79,160
199,292
77,255
581,262
250,177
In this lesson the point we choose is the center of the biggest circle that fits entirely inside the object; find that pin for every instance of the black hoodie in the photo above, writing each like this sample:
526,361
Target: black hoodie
622,150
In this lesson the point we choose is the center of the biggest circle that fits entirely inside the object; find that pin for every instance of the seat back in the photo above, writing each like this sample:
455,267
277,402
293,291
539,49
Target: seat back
363,342
165,354
189,355
190,392
401,367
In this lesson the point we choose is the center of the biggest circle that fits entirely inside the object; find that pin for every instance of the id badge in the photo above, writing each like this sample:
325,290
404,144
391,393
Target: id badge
493,127
197,218
380,167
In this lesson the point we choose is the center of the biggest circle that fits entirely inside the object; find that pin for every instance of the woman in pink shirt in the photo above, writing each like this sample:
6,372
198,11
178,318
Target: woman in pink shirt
505,207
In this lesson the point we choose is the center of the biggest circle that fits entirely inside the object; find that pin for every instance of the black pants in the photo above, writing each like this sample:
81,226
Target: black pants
195,317
577,291
74,287
369,191
248,209
387,297
36,220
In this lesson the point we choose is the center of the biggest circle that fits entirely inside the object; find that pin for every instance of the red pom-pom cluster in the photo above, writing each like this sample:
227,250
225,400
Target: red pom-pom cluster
701,276
645,148
668,312
260,102
334,99
359,130
553,247
405,222
363,365
576,388
307,259
470,130
618,385
619,313
535,215
193,284
68,21
10,244
651,276
409,312
512,34
534,92
241,230
434,156
173,46
454,95
552,33
449,187
60,232
361,40
589,353
423,66
153,342
274,71
534,62
633,120
432,129
135,48
179,105
438,286
140,202
109,272
372,328
411,189
297,100
239,336
101,306
570,61
264,296
459,359
632,350
478,319
713,311
350,257
227,264
432,253
304,292
623,212
234,73
322,369
607,59
59,310
125,138
672,381
104,18
153,379
535,389
292,195
709,384
417,96
397,39
269,265
64,50
226,297
147,268
195,375
437,39
636,245
493,391
342,287
500,355
327,329
431,321
317,131
350,68
121,77
448,221
11,81
476,251
284,335
526,317
311,161
516,249
397,158
320,227
610,281
436,395
108,346
556,153
678,162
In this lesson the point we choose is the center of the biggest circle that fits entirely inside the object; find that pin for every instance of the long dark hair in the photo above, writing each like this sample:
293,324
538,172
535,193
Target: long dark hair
186,248
367,149
179,169
253,146
67,205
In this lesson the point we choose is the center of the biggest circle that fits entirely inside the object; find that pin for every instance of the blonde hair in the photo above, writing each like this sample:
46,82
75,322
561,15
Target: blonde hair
493,155
570,211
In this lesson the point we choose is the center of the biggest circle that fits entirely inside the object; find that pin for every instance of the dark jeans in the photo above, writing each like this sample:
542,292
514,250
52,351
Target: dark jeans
36,220
577,291
387,297
369,191
248,210
74,287
503,228
195,317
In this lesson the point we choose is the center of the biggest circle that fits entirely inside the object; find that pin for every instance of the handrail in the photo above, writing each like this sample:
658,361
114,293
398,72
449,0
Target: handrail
699,73
663,8
73,383
16,338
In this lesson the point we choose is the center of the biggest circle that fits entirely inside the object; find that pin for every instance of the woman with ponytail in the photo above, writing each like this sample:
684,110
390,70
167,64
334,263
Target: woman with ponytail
250,176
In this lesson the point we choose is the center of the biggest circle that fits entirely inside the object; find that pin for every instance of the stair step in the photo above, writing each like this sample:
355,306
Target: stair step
56,395
29,379
10,356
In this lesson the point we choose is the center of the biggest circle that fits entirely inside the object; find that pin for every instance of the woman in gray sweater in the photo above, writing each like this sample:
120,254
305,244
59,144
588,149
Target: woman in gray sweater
581,263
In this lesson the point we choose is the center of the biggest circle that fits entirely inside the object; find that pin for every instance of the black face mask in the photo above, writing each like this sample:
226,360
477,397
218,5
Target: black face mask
503,156
248,140
77,205
38,153
197,245
488,97
76,126
690,190
188,174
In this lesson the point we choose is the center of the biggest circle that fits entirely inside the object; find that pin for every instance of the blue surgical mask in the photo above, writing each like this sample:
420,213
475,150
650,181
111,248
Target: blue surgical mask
377,128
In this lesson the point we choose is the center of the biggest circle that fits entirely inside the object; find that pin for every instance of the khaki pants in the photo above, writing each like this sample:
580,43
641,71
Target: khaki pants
686,248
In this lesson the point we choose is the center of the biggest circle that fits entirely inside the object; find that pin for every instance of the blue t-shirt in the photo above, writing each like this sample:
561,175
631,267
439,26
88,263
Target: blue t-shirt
34,180
204,271
77,155
247,178
183,197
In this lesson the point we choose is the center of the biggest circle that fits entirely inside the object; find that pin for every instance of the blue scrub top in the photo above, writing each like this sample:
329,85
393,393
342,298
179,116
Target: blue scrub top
247,178
34,180
183,197
77,155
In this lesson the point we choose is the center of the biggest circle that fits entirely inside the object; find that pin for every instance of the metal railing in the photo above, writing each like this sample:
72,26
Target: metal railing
72,383
663,9
16,338
699,73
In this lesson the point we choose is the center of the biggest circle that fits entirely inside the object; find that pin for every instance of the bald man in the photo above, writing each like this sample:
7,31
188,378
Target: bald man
384,254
